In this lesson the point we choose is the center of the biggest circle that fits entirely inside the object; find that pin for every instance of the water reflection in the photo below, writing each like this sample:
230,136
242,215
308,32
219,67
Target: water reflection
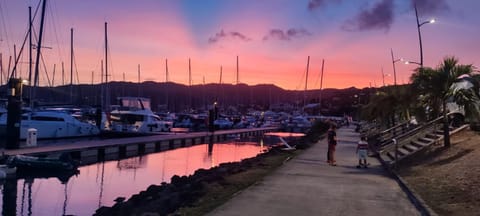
99,184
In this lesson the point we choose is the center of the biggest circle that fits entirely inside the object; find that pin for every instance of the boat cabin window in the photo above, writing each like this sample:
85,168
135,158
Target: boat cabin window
46,118
126,118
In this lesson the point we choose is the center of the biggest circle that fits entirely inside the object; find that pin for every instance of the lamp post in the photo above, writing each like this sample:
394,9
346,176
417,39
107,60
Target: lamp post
420,35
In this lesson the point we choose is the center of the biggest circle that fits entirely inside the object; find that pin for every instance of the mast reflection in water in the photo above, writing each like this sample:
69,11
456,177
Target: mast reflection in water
99,184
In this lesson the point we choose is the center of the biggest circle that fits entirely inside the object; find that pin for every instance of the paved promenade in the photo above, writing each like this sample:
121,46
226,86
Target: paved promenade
307,185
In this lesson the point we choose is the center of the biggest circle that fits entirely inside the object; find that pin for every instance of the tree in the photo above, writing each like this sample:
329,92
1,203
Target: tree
434,88
389,104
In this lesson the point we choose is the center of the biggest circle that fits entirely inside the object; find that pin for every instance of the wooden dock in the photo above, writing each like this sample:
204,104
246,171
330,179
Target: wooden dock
99,149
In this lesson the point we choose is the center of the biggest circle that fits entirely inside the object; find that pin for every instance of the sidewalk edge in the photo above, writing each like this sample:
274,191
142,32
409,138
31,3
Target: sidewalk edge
414,198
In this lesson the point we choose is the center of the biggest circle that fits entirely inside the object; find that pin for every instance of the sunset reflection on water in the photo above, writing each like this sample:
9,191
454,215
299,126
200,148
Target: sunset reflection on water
99,184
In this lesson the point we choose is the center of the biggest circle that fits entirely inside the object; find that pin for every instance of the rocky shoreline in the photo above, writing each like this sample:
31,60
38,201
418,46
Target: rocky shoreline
182,191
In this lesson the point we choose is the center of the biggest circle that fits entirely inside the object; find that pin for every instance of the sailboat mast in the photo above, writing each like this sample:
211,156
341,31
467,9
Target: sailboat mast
39,47
189,73
237,81
71,65
30,59
220,75
107,98
306,81
166,81
15,54
138,80
102,87
321,87
53,75
190,84
1,70
63,74
166,70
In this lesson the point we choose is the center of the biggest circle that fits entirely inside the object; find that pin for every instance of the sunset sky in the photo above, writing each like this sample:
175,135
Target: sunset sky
272,38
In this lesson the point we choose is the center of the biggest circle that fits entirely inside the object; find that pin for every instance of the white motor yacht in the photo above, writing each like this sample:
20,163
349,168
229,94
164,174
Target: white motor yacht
135,116
52,125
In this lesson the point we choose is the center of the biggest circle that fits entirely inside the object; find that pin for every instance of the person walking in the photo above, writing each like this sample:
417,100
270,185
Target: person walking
332,143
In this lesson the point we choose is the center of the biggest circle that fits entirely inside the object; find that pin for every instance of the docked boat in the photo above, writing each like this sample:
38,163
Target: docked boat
134,116
62,162
52,125
7,171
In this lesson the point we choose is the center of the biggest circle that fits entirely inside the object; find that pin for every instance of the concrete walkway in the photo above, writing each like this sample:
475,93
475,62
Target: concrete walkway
307,185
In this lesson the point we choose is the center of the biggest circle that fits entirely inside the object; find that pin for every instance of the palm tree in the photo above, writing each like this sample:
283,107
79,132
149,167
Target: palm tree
380,108
434,88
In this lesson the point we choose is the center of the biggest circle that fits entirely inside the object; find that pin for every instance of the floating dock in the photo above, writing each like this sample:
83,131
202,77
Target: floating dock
91,151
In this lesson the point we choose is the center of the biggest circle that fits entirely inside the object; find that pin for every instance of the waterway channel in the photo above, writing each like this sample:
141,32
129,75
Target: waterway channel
101,183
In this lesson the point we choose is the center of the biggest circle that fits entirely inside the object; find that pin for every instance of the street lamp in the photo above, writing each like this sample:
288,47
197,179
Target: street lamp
419,34
412,62
23,82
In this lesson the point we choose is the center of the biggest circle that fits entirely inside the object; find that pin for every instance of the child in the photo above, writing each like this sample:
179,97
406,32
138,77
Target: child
332,143
362,150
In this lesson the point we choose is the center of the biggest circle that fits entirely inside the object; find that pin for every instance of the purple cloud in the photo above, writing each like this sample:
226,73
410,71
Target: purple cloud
430,7
289,34
314,4
224,35
380,16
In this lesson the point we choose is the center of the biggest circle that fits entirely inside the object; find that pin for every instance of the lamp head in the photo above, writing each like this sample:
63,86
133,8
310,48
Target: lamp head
432,21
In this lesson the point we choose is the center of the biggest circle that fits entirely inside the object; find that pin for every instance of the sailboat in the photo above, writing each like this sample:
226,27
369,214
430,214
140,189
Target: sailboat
48,124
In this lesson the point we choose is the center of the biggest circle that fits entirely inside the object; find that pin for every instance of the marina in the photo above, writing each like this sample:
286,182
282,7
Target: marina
239,107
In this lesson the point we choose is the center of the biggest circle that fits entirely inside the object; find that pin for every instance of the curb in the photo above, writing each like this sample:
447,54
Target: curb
419,203
414,198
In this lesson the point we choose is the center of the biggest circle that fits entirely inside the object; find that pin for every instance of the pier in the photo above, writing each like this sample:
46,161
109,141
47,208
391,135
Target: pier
91,151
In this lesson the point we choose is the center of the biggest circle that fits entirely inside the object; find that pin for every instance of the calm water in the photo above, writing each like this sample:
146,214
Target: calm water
99,184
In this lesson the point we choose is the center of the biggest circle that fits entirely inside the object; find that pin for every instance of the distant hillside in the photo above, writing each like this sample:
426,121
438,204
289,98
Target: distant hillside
178,97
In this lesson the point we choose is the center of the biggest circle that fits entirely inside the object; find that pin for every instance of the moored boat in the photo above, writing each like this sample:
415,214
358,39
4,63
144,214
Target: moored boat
63,162
52,125
134,116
